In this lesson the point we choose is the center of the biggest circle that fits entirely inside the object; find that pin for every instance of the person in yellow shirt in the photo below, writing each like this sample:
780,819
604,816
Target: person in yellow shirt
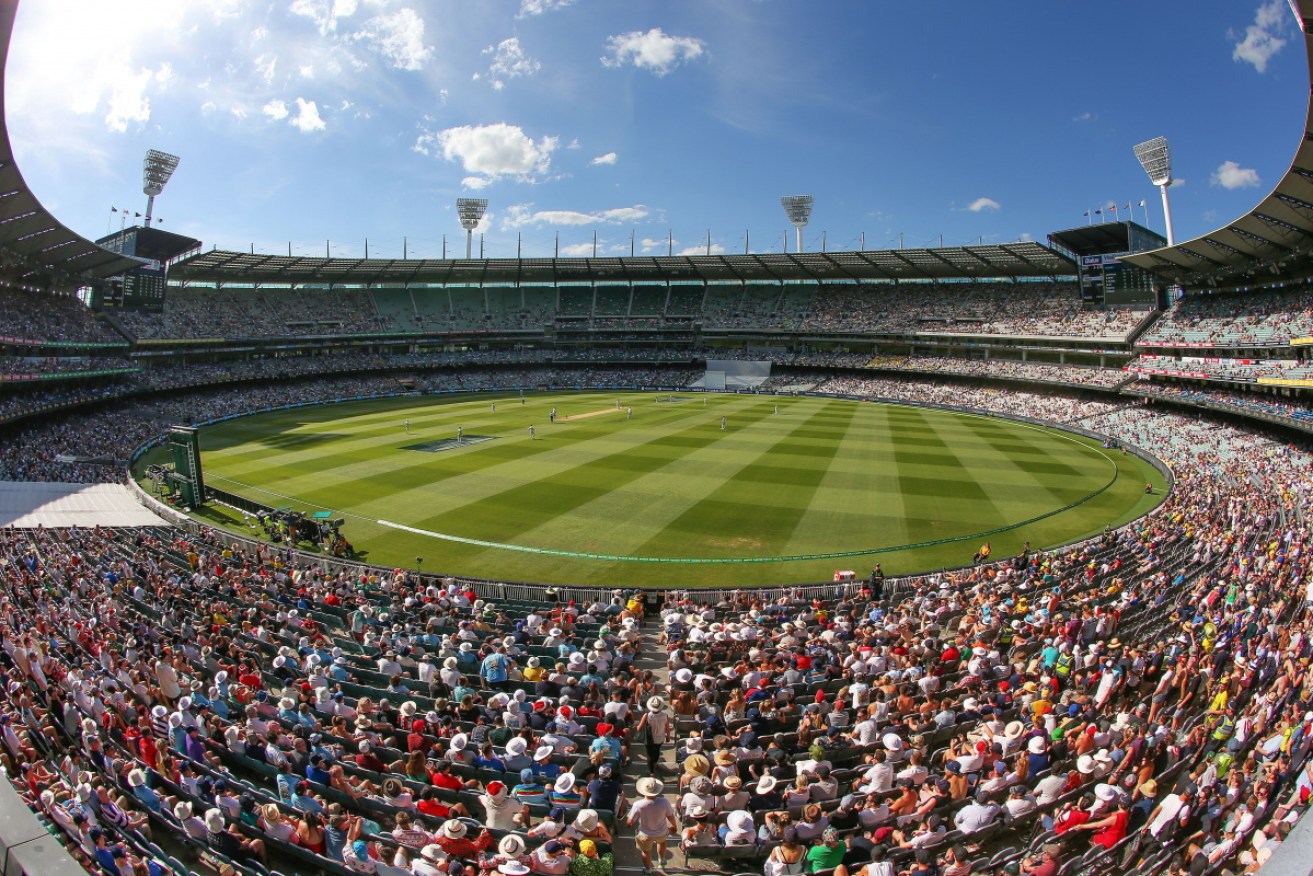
534,671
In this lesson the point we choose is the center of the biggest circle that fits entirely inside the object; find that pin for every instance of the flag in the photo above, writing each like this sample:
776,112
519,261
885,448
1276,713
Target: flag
137,215
113,209
1112,209
1128,207
1142,203
1087,212
1098,212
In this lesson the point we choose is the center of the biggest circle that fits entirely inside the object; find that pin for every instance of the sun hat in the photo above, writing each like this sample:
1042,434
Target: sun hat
1149,788
433,853
1085,764
513,868
1014,730
649,786
697,765
459,741
516,746
511,845
214,821
698,810
1036,745
724,757
586,820
732,783
182,811
564,783
1105,792
136,778
543,752
454,829
766,784
656,704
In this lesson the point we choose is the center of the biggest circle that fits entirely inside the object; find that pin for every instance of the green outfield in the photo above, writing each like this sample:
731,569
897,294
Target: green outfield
665,496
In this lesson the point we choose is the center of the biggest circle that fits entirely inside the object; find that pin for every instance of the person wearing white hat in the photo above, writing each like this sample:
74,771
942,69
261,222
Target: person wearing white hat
653,729
432,861
654,820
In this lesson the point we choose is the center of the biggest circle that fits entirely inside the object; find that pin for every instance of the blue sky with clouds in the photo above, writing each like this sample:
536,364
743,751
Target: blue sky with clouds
301,121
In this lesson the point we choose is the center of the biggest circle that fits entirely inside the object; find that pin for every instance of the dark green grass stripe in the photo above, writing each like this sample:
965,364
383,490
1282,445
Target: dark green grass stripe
1020,446
739,506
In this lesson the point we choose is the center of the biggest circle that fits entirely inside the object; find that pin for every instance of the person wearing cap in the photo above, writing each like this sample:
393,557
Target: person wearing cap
529,791
590,862
606,792
356,855
552,858
654,818
976,815
1047,864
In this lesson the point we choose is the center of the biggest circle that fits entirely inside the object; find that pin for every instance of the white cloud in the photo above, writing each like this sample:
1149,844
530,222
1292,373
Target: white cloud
265,67
701,250
1084,117
324,13
128,101
608,158
651,244
1263,38
307,119
655,50
474,183
1232,176
578,250
574,144
980,204
520,215
307,71
529,8
275,109
398,37
490,150
509,62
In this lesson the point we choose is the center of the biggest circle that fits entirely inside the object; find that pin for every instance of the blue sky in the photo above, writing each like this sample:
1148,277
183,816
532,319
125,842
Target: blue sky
303,121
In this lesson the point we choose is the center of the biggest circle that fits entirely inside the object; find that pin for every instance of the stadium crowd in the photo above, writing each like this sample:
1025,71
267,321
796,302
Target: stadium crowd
1139,702
1255,319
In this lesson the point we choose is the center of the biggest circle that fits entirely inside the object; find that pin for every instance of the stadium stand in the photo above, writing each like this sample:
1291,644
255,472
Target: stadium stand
1096,704
1255,319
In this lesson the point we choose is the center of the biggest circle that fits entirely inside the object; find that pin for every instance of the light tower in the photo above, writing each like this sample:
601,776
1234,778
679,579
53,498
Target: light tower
471,212
1156,158
155,172
799,210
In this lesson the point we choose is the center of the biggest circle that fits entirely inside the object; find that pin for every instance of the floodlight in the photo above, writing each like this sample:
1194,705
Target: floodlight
1155,157
155,173
799,210
471,212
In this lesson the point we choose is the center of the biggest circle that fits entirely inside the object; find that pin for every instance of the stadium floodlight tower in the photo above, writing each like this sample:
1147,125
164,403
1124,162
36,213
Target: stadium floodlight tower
471,212
799,210
155,172
1156,158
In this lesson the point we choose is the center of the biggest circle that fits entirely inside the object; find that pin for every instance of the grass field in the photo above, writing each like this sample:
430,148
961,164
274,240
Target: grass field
598,489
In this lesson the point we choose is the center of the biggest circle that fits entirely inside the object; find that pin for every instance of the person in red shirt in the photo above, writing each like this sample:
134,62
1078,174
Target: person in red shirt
367,760
1071,817
454,842
1109,830
441,777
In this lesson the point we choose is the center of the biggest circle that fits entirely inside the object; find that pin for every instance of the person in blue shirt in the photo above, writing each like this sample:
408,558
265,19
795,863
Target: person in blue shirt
315,772
496,667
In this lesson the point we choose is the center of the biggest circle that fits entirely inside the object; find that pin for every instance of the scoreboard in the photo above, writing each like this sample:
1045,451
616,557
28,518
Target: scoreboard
143,287
1105,280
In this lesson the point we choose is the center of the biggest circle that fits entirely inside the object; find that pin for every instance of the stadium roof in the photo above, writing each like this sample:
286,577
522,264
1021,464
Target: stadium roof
27,228
1270,243
1007,260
